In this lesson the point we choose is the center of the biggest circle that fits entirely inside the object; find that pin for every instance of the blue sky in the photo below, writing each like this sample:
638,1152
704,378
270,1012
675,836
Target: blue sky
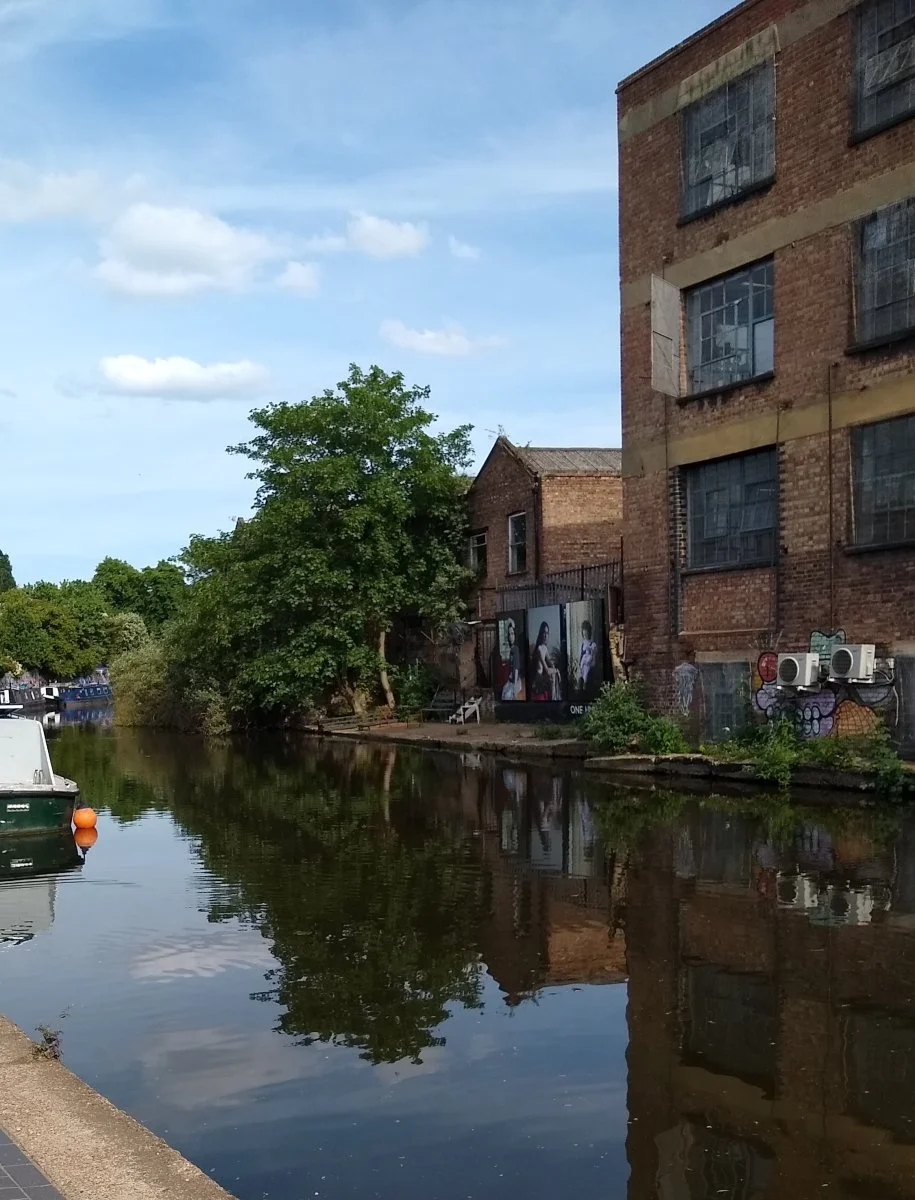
210,204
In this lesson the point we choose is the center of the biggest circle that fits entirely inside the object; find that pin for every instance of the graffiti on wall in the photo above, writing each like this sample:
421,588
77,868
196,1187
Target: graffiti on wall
837,709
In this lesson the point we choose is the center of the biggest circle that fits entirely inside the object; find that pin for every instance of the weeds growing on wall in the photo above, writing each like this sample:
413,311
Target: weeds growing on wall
773,751
619,723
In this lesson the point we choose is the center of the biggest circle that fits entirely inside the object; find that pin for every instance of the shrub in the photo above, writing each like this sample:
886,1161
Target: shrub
619,721
413,685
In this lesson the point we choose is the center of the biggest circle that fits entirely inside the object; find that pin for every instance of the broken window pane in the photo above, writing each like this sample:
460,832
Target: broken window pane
886,272
885,67
731,510
884,482
730,330
729,140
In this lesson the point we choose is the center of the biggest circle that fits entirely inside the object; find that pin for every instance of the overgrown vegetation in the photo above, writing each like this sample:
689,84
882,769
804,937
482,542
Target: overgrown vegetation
619,723
774,750
414,686
64,631
357,521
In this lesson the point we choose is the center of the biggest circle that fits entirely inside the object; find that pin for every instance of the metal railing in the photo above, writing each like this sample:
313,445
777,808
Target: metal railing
564,587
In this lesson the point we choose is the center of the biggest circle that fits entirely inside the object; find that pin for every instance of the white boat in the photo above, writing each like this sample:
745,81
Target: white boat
32,797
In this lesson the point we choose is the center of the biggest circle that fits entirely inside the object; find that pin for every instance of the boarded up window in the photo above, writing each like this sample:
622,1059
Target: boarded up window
665,337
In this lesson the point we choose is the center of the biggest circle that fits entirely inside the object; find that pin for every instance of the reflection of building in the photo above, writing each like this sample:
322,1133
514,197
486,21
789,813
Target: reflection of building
550,882
772,1027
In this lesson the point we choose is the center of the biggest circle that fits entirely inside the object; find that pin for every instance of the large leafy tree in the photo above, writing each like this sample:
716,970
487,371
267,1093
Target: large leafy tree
121,584
358,518
7,582
155,593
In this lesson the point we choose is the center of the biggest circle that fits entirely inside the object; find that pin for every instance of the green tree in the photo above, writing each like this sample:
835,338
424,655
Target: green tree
164,587
125,632
7,582
358,518
121,584
23,637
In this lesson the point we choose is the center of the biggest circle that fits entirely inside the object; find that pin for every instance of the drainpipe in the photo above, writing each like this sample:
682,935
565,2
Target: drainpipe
538,525
832,540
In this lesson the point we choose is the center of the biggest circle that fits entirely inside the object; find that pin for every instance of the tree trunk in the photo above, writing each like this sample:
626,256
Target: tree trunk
385,682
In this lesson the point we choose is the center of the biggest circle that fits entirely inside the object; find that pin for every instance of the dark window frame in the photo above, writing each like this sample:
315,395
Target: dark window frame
732,511
517,562
748,297
878,107
883,483
719,113
884,276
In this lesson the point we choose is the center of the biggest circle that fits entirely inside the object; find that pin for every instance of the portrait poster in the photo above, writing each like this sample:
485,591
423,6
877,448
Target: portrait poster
586,642
511,657
546,659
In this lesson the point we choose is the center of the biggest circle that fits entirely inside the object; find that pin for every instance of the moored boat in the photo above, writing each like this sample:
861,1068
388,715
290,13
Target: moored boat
32,798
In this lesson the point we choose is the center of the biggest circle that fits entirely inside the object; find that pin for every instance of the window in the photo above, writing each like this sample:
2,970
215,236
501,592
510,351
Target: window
476,553
517,544
729,141
730,328
885,67
883,472
731,511
886,273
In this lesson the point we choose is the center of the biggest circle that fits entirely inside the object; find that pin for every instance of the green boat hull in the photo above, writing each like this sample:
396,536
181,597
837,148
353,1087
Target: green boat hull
35,814
31,854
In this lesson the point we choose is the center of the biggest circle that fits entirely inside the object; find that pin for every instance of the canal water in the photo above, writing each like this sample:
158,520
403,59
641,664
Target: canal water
353,971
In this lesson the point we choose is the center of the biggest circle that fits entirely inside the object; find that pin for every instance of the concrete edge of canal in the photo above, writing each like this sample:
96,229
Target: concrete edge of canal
85,1146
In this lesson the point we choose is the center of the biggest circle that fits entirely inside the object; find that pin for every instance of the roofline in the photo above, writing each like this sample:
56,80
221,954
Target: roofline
718,23
517,453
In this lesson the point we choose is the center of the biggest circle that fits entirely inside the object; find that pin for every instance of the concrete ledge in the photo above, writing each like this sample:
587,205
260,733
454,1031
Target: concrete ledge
88,1149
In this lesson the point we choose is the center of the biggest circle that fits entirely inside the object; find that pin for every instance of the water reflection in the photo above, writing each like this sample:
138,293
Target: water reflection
357,970
29,871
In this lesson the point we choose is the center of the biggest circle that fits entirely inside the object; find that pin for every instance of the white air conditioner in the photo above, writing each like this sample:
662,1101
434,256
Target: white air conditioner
852,664
798,670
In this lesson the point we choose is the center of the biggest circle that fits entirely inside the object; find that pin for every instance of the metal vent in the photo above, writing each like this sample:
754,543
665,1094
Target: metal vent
788,670
842,661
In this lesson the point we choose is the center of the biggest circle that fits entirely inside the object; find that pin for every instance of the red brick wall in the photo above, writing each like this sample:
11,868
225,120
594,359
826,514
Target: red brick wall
582,520
819,584
502,488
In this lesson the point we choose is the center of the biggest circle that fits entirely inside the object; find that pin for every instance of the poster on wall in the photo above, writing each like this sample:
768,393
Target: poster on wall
585,643
546,670
510,657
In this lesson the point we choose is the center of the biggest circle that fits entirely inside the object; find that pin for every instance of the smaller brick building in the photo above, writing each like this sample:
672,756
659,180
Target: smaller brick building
535,511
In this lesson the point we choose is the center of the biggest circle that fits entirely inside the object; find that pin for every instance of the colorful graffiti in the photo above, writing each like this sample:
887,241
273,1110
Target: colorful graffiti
837,709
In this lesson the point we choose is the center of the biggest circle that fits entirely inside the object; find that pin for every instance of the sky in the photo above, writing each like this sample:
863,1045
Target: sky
211,205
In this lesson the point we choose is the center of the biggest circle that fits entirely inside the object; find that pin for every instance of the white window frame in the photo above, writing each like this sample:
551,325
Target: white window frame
477,563
513,545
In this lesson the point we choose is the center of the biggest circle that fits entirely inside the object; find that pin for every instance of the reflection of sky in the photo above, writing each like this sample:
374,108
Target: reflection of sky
160,1018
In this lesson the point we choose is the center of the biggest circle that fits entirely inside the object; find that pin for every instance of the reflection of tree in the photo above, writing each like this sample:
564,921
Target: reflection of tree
373,925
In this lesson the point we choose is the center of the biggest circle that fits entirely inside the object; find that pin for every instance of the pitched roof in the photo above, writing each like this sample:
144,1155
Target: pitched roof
550,460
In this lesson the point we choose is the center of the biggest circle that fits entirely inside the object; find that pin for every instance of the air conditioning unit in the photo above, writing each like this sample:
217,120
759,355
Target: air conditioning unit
798,670
852,664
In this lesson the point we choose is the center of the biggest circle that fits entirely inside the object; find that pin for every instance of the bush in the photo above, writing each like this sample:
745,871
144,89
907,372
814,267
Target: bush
772,751
413,685
618,722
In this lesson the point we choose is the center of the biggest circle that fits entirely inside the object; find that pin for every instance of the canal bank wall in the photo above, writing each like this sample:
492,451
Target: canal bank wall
85,1147
685,772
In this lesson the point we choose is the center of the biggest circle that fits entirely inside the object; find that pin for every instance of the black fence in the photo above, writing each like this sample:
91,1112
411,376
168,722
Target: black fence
565,587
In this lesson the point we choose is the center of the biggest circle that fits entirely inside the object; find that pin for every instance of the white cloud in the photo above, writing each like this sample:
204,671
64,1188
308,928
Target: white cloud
450,342
180,378
463,249
152,251
379,238
29,195
325,243
302,278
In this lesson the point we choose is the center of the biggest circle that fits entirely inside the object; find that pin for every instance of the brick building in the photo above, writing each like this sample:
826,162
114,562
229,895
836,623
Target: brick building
767,226
536,511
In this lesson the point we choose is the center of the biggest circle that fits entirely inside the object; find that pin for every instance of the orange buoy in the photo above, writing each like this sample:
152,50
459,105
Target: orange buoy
85,838
85,818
